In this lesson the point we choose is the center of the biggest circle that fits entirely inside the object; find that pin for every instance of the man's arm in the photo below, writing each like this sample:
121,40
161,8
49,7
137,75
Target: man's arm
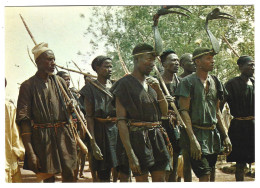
163,104
222,130
124,135
26,133
90,122
195,148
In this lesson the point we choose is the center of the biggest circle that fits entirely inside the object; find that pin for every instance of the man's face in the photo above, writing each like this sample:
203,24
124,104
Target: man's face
206,62
46,62
171,63
248,68
66,77
188,64
105,69
146,63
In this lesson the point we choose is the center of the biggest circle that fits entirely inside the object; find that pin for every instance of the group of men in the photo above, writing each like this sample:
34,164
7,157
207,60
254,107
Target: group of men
133,128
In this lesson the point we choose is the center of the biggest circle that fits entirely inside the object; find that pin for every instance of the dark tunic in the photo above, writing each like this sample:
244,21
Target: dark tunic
173,133
148,145
105,133
241,100
202,110
55,147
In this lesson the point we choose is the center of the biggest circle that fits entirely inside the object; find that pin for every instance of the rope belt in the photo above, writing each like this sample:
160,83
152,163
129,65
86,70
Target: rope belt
145,124
106,120
49,125
245,118
204,128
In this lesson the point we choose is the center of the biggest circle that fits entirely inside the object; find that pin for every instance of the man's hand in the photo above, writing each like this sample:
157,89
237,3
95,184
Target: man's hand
134,164
96,151
227,146
169,98
195,149
154,83
33,163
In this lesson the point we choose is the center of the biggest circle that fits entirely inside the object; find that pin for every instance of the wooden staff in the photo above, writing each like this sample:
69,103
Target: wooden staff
72,70
70,75
79,141
94,84
233,50
168,93
28,30
76,66
121,60
74,109
31,57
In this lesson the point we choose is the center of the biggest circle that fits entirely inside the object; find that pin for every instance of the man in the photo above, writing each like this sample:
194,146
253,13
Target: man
72,91
241,100
199,97
187,64
14,149
46,133
170,63
100,115
139,107
188,68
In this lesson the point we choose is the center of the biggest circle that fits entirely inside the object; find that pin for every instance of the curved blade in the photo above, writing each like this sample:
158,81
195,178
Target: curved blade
158,41
175,12
176,6
214,42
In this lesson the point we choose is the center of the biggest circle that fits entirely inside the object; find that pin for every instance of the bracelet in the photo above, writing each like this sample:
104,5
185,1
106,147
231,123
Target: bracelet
25,133
161,100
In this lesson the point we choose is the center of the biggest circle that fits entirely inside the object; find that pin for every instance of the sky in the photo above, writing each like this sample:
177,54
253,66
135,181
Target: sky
62,28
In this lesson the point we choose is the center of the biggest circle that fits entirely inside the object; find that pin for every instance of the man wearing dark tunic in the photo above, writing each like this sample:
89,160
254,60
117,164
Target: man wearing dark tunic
139,108
187,64
170,62
241,100
188,68
199,97
100,115
80,155
46,133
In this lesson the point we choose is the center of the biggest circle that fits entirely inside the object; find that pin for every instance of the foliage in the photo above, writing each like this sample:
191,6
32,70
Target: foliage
130,25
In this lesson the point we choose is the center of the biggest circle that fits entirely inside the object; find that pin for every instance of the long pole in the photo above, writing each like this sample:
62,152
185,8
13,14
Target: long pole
233,50
168,93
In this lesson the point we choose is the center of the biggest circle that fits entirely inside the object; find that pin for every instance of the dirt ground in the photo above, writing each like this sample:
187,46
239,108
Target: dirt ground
29,177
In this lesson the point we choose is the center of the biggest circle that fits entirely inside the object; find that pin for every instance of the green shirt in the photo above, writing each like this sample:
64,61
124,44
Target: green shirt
203,109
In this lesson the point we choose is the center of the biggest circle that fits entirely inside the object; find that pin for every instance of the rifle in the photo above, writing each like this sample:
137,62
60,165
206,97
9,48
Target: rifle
79,141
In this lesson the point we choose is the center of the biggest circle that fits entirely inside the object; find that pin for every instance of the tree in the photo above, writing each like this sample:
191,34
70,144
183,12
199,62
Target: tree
130,25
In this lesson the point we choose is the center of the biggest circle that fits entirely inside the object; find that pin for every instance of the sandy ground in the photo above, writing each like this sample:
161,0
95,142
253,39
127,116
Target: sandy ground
30,177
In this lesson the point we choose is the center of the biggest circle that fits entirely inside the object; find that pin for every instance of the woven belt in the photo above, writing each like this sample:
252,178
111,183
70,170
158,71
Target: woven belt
49,125
105,120
204,128
245,118
145,124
